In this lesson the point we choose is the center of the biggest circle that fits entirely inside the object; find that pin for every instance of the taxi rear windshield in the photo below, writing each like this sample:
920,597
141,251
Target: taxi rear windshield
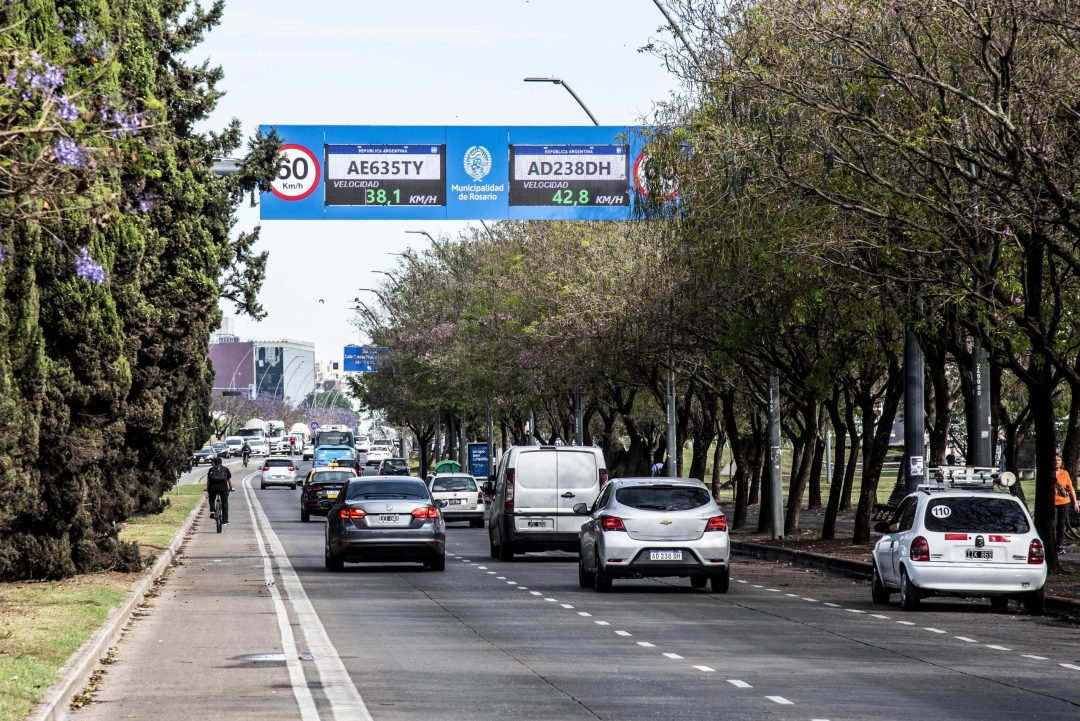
332,477
661,498
976,515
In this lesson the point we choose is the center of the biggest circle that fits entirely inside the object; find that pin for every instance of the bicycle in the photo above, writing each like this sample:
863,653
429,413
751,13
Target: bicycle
245,458
218,510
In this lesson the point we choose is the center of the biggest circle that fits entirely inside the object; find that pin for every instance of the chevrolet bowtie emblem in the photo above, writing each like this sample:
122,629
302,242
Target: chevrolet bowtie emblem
665,522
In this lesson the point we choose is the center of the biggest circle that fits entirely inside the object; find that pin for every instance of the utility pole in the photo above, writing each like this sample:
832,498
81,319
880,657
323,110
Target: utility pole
672,464
914,410
579,429
982,453
438,437
776,493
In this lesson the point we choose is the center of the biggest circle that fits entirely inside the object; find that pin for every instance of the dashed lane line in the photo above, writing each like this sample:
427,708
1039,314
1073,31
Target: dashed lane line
584,614
738,684
931,629
646,644
566,605
602,623
1071,666
1034,658
780,700
965,639
706,669
997,648
625,634
673,656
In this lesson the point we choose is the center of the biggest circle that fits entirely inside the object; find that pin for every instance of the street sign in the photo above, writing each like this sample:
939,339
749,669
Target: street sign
362,359
459,173
479,463
314,426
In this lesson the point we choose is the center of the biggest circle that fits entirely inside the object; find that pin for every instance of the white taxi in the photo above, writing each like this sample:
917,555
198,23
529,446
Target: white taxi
958,536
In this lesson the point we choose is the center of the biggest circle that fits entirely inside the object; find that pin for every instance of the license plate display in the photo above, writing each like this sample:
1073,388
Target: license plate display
388,518
331,494
983,554
454,502
538,523
665,555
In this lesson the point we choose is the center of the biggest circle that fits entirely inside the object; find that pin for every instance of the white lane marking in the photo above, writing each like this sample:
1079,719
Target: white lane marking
706,669
551,600
933,630
739,580
774,590
645,644
811,600
673,656
566,605
854,610
965,639
780,700
584,614
482,568
792,595
523,588
623,633
492,573
300,689
602,623
465,560
1072,666
535,593
1034,658
881,616
501,578
906,623
511,583
738,684
997,648
755,585
833,605
341,694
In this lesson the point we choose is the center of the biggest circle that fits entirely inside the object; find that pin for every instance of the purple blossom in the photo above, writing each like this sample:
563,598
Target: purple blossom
1008,230
144,205
45,78
79,38
125,124
66,110
3,254
12,79
68,152
89,269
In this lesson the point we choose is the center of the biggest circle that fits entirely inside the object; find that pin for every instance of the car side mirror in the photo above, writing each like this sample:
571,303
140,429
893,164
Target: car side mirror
487,488
881,526
581,509
441,503
491,478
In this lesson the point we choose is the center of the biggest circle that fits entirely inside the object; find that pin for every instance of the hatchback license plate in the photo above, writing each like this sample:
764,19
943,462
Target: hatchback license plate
388,518
665,555
979,555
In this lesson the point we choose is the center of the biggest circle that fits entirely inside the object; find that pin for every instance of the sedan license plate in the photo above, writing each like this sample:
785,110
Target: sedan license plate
665,555
331,494
985,554
454,501
388,518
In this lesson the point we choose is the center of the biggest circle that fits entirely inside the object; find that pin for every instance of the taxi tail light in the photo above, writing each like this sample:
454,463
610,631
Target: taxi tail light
611,523
1036,555
717,523
920,549
603,477
509,503
292,468
425,512
352,514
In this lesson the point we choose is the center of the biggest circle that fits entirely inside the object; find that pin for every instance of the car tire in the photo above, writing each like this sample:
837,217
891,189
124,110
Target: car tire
333,563
493,550
721,581
1035,602
584,578
262,486
999,604
476,524
601,580
506,552
436,564
909,594
699,580
878,593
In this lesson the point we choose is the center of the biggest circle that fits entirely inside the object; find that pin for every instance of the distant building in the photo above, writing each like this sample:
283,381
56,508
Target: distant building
279,368
329,376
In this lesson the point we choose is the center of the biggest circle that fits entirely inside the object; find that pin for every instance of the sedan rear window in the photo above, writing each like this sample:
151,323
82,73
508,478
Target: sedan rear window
976,515
661,498
332,477
363,490
278,462
459,483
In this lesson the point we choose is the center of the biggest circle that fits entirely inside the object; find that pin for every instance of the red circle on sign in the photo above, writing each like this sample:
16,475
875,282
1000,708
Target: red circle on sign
314,164
637,177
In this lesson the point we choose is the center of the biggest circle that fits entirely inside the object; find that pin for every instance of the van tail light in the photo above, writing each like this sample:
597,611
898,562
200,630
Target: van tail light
717,523
509,504
603,477
920,549
352,514
611,523
1036,555
425,512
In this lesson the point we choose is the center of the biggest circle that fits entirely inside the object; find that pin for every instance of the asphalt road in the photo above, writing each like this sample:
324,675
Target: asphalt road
493,640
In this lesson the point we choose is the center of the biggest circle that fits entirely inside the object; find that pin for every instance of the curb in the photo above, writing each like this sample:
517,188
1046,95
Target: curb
859,569
75,674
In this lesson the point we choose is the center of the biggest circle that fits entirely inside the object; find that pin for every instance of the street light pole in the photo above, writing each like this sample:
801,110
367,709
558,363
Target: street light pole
560,81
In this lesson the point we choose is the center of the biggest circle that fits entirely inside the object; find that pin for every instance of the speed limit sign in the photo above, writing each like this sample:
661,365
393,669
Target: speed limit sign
299,174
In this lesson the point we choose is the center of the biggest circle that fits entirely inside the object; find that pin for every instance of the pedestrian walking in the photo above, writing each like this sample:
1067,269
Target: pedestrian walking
1064,499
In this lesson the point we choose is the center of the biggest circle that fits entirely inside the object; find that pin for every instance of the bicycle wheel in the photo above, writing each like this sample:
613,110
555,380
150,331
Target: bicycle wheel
217,510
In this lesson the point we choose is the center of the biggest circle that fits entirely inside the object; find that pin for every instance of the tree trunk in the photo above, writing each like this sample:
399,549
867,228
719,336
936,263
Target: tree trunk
739,457
875,446
941,411
836,483
814,500
801,477
855,446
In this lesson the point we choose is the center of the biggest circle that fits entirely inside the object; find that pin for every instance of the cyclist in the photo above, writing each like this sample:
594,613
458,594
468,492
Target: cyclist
245,452
219,481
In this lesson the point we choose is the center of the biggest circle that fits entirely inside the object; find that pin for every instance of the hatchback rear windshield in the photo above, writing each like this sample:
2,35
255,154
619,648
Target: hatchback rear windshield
659,498
395,463
332,477
278,462
976,515
454,483
409,490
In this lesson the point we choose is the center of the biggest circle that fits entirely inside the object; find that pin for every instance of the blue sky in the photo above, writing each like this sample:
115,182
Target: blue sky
421,62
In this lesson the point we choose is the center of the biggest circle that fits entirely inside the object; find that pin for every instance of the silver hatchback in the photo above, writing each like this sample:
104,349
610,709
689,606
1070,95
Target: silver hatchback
279,471
651,527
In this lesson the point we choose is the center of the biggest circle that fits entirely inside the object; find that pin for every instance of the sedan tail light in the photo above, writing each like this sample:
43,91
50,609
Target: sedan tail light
292,468
717,523
353,514
425,512
1036,555
611,523
920,549
509,503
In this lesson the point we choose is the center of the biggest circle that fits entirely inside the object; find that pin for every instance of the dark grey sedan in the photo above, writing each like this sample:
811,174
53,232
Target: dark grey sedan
385,518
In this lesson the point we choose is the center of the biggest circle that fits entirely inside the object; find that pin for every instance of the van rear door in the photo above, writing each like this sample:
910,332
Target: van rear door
578,482
536,498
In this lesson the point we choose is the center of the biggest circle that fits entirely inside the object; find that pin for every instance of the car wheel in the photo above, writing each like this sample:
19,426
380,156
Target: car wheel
878,593
503,551
262,486
476,524
332,563
304,516
601,580
999,604
699,581
584,578
1035,602
493,550
721,581
909,594
436,564
296,486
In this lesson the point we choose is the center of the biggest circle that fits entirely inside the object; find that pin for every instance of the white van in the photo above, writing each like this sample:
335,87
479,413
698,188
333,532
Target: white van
536,488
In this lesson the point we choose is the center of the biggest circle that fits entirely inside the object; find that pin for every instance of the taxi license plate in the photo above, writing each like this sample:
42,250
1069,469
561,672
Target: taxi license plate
454,502
980,555
388,518
331,494
665,555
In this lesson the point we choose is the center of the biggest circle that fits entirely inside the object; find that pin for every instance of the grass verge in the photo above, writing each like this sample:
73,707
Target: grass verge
43,623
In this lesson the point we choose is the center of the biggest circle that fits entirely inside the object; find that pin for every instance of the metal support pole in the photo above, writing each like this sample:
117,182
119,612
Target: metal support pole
579,430
914,412
672,464
532,428
490,442
438,437
828,454
982,453
776,493
463,447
